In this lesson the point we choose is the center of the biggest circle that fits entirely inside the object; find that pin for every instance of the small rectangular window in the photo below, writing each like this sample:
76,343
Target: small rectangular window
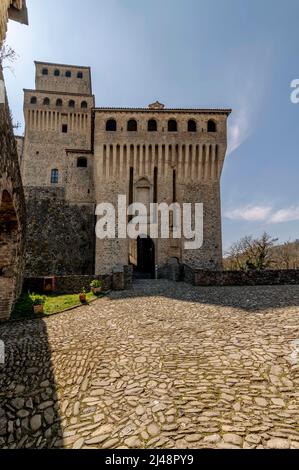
82,162
54,176
64,128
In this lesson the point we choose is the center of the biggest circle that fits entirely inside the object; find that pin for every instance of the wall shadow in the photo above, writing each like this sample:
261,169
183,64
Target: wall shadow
247,298
29,408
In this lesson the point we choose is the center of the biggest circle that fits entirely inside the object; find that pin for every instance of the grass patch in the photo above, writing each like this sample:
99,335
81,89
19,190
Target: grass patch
53,304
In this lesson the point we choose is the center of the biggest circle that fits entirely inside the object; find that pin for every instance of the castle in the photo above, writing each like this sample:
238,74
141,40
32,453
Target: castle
74,156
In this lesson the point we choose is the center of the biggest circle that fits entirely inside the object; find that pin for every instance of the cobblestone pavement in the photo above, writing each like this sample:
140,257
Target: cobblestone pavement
166,365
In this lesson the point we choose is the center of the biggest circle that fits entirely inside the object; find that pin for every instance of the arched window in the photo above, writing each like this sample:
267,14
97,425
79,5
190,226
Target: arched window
56,73
172,125
79,75
46,102
33,100
212,127
59,102
68,74
45,72
192,126
84,104
71,103
152,125
54,176
82,162
132,125
111,125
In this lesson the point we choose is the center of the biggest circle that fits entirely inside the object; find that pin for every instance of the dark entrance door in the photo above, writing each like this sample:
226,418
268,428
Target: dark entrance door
145,258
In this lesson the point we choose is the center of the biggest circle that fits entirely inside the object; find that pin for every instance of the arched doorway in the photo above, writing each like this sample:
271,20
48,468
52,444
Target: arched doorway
145,258
8,254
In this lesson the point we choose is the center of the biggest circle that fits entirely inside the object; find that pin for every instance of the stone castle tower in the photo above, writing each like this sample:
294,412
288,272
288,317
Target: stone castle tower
75,156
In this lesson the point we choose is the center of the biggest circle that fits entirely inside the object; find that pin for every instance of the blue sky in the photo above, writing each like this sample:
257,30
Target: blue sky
241,54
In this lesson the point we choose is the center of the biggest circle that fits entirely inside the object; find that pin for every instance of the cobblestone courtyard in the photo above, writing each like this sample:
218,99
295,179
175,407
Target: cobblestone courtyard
166,365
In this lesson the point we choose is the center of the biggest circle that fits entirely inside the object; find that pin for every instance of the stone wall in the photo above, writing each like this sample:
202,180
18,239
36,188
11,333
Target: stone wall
67,80
200,277
61,235
4,5
196,157
20,146
66,284
13,9
75,284
12,216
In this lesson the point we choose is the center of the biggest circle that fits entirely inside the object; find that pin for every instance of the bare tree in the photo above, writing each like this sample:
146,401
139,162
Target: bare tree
251,253
7,55
287,255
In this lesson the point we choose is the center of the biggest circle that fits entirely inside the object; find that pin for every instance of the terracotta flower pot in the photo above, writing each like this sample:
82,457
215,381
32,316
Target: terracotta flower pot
82,298
38,308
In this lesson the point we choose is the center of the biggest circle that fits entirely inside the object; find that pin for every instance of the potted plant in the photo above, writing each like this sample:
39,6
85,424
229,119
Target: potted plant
82,296
96,286
38,305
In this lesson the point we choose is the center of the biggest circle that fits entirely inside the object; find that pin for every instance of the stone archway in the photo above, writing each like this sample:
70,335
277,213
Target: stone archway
9,236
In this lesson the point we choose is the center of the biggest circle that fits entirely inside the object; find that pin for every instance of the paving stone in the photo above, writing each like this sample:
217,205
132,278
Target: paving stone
111,443
79,443
104,429
165,365
278,402
23,413
98,439
232,439
253,438
45,405
140,410
133,442
36,422
18,403
193,438
153,429
277,443
213,439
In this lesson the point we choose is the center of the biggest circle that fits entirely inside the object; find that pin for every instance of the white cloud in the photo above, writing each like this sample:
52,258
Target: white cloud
266,214
250,69
238,131
285,215
250,213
